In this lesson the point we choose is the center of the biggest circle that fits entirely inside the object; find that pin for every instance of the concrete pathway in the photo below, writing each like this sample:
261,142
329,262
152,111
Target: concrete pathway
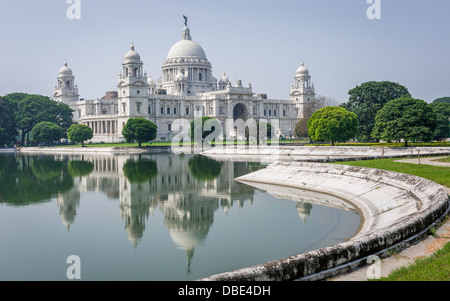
426,161
422,249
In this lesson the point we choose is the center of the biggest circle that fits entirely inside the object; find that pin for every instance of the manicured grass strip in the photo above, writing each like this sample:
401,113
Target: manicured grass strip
433,268
440,175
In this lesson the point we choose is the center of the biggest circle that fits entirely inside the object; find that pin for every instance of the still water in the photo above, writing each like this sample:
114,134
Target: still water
149,217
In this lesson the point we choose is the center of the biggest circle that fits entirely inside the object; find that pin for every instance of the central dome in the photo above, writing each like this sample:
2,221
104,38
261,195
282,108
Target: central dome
186,47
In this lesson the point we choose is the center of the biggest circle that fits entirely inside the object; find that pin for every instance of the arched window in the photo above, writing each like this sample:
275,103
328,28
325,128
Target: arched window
135,72
68,84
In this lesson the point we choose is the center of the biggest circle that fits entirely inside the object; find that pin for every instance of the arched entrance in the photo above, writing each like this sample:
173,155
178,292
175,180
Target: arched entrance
240,112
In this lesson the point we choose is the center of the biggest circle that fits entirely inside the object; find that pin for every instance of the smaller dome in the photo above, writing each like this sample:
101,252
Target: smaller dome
132,56
302,70
65,70
224,79
150,81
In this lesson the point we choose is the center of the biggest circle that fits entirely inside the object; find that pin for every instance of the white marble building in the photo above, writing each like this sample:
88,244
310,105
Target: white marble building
186,89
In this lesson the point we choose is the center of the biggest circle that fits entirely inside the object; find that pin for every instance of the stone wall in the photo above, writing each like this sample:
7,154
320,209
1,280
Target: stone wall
396,209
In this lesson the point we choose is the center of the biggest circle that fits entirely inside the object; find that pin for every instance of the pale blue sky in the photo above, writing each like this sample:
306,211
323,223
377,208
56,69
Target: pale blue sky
260,42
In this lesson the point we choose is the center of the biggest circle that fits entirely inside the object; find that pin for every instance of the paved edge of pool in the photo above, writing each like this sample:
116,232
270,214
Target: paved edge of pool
397,211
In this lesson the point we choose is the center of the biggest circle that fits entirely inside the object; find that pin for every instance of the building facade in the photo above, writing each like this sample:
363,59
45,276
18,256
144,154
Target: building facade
186,89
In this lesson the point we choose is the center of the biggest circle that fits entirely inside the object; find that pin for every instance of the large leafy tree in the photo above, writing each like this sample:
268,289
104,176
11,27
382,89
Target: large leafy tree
30,109
442,111
79,133
8,127
406,119
139,130
442,100
46,132
368,98
333,124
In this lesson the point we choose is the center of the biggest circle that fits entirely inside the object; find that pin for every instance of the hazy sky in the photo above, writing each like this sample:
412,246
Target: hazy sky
260,42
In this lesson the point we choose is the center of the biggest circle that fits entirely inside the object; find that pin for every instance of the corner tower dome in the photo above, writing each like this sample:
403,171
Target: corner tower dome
302,70
132,57
65,71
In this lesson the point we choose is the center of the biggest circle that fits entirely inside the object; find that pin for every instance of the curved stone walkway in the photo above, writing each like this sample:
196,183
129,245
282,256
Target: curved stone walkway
422,249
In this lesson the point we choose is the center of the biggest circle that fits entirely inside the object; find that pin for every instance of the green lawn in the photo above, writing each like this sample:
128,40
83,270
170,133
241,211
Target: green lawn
440,175
436,267
433,268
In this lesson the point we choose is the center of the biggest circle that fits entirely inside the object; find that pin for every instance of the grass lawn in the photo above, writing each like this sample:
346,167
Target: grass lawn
433,268
436,267
440,175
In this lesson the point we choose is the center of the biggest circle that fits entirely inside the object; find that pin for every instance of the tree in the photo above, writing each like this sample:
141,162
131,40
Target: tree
405,119
139,130
196,125
79,133
333,124
318,103
46,132
368,98
30,109
442,100
301,128
8,126
442,111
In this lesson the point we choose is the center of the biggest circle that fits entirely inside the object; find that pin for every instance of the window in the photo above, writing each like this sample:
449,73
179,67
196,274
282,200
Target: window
284,113
123,108
168,111
200,77
104,111
275,113
174,111
270,112
187,111
169,127
149,110
138,107
162,111
265,113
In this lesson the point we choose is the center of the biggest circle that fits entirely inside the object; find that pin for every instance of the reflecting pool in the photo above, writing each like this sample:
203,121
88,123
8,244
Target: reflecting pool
149,217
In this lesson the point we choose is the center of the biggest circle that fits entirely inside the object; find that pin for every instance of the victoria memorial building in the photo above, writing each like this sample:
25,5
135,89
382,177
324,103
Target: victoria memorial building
186,89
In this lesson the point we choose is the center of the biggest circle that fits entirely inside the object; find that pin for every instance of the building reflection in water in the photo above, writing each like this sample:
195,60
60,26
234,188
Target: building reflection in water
187,189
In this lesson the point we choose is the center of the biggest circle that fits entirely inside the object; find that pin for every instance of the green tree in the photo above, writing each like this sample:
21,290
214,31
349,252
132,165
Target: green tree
30,109
79,133
333,124
196,125
442,100
139,130
46,132
301,128
8,126
367,99
405,119
442,111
